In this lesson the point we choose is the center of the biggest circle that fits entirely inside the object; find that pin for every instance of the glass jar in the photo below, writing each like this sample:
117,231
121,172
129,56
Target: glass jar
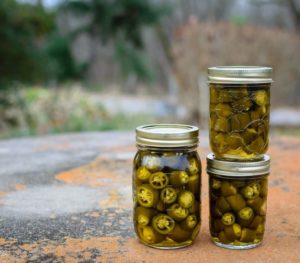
166,185
239,111
238,201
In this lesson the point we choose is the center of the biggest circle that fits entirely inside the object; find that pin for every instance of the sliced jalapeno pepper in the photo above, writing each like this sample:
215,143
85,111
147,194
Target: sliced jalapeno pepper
222,238
228,219
248,235
259,205
194,184
193,166
261,98
251,191
223,205
240,121
216,184
143,215
236,202
189,223
158,180
186,199
177,212
256,222
222,125
179,178
243,104
195,207
168,195
147,196
213,95
223,110
163,223
179,235
260,231
233,232
143,174
246,216
246,213
148,235
264,188
228,189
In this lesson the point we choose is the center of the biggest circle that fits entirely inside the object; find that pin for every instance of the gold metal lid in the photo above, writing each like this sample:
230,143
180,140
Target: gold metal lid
238,168
167,135
240,74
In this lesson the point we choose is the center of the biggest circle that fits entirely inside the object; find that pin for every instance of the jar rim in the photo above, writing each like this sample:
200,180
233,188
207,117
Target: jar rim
238,168
167,135
240,74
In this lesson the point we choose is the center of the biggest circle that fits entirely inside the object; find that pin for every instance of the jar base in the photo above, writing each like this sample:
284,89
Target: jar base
236,247
169,247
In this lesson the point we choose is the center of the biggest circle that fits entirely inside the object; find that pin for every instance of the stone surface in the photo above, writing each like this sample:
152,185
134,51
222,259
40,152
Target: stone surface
67,198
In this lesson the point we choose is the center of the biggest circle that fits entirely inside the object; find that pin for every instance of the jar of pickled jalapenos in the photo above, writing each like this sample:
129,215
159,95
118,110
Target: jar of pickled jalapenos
166,185
238,201
239,111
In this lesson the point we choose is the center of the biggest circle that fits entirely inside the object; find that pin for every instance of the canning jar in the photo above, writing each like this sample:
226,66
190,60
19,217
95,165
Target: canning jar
238,201
166,185
239,111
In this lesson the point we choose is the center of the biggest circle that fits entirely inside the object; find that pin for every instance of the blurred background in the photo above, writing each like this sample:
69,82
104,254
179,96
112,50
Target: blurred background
90,65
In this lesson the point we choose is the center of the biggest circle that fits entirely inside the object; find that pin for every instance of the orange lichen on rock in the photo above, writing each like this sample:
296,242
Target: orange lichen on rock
89,175
19,187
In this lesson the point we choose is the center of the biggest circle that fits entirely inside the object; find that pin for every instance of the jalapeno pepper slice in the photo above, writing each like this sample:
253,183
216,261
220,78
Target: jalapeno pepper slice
168,195
148,235
251,191
186,199
163,223
194,184
193,166
189,223
143,174
179,235
246,213
179,178
228,219
159,180
177,212
147,196
143,215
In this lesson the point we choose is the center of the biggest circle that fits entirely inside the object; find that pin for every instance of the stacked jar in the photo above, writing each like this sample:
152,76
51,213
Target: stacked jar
238,167
166,185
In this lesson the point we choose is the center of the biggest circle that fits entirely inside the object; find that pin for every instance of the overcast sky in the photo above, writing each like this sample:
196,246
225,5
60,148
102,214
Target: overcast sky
47,3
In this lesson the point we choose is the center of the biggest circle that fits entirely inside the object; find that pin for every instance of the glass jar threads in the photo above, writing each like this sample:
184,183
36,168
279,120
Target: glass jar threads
239,111
238,201
166,185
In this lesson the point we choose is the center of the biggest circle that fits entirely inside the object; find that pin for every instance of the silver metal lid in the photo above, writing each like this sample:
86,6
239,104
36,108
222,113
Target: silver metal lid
167,135
240,74
238,168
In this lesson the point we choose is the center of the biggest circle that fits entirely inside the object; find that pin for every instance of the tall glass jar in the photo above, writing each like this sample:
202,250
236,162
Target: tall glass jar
166,185
238,201
239,111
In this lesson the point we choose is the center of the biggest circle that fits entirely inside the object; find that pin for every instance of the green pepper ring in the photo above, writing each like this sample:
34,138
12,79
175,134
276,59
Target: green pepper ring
168,195
158,180
163,223
147,196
